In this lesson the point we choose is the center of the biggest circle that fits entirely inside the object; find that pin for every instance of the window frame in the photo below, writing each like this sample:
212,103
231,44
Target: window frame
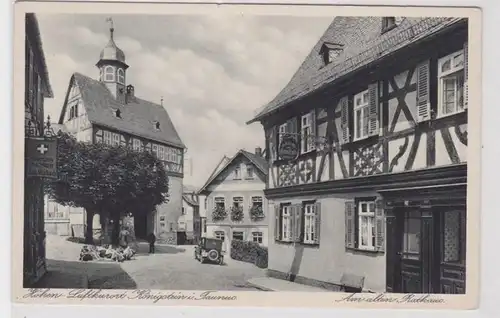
259,236
454,71
220,200
281,133
249,176
239,232
286,209
364,106
237,173
309,216
221,235
371,230
121,76
109,71
306,122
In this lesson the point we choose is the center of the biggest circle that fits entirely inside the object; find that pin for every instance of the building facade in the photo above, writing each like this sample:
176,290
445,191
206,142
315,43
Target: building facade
189,223
368,164
236,207
37,88
108,110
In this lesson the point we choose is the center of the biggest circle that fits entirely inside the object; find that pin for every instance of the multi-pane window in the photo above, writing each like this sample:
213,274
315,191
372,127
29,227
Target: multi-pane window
136,144
238,235
257,201
121,76
53,211
281,133
219,235
361,114
286,223
183,212
257,237
109,74
249,172
238,202
116,139
107,137
237,173
220,203
307,138
366,225
309,223
451,84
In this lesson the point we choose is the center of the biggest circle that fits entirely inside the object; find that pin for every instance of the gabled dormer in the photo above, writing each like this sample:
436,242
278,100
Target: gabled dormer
329,51
389,23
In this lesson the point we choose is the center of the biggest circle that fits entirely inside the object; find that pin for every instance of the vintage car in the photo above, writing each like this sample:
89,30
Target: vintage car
209,249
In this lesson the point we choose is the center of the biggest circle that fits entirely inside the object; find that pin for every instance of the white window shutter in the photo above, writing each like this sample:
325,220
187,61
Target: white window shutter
373,117
466,75
423,100
312,138
344,120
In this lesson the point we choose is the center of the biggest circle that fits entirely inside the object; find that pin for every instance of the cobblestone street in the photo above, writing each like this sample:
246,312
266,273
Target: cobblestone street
172,267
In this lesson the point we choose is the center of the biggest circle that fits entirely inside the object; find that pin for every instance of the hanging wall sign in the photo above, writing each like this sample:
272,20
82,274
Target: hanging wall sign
41,157
288,148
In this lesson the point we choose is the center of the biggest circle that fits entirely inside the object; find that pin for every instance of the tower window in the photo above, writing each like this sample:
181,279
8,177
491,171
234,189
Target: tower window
109,74
121,76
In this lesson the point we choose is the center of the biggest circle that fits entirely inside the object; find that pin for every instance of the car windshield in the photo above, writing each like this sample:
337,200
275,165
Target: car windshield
209,244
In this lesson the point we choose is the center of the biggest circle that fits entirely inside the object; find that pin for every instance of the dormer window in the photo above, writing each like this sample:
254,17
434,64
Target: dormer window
121,76
118,113
329,51
109,74
157,125
389,23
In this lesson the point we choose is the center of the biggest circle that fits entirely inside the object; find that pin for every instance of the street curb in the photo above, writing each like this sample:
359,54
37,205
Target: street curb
260,287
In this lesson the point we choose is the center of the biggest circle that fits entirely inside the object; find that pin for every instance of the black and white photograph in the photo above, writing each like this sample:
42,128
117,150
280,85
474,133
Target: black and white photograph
247,152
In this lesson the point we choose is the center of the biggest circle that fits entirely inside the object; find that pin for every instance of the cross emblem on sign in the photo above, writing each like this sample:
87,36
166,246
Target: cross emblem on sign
42,149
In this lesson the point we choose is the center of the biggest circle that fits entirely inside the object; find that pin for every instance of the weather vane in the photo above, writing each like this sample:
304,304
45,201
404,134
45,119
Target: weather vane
110,20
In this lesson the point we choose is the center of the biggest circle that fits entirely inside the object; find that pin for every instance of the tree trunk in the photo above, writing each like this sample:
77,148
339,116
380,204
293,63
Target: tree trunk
89,233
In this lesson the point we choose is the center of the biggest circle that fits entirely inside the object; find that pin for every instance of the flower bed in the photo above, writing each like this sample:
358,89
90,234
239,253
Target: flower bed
106,253
249,252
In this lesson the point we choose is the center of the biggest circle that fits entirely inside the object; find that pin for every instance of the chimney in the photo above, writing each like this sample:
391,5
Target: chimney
258,151
130,93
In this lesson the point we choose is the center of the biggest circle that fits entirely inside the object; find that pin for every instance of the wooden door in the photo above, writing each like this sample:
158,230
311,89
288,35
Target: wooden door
411,251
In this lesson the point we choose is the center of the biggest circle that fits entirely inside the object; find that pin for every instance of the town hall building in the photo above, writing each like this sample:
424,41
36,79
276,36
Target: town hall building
109,110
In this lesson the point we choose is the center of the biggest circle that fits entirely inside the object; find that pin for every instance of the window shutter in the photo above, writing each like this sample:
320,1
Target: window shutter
297,223
292,128
272,143
379,225
317,221
344,120
349,224
373,110
423,101
312,138
277,223
466,75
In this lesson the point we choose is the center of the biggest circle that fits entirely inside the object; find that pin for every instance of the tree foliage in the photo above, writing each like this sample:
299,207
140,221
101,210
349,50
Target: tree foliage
107,179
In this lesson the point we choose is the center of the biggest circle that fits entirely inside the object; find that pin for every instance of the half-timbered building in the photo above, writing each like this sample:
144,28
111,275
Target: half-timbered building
37,88
108,110
368,158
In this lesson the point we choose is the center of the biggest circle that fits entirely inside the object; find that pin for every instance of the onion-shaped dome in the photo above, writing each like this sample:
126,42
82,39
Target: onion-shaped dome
111,51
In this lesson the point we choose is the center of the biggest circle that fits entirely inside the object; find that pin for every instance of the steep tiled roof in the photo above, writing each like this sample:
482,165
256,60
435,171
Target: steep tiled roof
33,28
137,115
259,162
362,42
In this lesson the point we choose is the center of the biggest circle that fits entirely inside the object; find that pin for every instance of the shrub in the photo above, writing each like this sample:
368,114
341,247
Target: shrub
219,214
249,252
256,213
236,213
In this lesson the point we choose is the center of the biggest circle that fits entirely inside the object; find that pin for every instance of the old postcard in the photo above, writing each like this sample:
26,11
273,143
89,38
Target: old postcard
246,155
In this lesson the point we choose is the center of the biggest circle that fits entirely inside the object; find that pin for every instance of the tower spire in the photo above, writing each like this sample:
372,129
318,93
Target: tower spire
111,26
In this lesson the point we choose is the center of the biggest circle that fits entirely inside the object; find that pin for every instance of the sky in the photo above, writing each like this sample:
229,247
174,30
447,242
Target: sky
212,72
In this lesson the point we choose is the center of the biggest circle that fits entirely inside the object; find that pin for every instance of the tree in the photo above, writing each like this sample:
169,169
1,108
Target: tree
107,180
